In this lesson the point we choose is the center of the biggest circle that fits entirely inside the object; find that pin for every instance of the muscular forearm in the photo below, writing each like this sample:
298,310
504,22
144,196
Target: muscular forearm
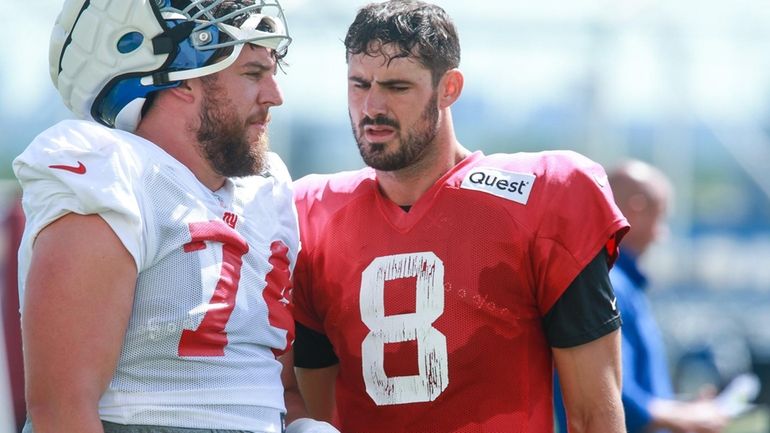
591,382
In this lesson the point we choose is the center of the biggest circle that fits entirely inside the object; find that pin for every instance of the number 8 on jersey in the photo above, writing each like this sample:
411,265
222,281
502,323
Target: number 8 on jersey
433,376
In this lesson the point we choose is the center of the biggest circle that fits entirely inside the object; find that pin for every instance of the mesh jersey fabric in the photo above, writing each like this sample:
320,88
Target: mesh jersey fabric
436,314
194,251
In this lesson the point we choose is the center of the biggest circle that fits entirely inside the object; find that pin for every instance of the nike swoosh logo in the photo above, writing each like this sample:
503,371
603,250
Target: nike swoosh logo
78,169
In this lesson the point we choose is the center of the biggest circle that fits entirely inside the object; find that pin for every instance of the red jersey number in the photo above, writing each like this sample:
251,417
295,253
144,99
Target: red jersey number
433,377
210,338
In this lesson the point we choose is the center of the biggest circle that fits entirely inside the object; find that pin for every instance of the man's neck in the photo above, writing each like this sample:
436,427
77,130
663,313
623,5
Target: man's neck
404,187
180,143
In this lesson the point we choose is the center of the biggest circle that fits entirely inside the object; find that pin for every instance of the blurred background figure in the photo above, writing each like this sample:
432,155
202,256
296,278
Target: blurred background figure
644,194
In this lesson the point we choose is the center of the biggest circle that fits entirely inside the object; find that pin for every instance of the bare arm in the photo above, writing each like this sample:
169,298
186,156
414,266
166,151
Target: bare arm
590,376
317,388
77,303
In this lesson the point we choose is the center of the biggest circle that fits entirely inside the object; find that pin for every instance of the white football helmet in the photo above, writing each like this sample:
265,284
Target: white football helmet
106,56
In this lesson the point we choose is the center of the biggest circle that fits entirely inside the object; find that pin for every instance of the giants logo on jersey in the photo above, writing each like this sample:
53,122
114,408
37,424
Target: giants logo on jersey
506,184
230,218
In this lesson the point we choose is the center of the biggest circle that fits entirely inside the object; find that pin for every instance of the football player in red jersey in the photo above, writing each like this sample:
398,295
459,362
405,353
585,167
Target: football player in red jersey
436,288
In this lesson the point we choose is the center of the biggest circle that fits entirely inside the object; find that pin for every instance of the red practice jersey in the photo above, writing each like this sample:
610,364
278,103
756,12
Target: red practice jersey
436,314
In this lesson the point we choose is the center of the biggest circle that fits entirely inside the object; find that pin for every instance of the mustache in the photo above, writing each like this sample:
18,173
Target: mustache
381,120
259,118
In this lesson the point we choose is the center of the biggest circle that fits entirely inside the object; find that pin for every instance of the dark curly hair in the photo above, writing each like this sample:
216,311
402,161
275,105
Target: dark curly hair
418,29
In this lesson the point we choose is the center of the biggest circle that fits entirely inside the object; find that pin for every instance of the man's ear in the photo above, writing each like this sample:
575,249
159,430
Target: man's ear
450,87
187,91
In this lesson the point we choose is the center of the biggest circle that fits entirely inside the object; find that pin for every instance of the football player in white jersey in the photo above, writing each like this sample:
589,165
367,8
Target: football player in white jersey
161,235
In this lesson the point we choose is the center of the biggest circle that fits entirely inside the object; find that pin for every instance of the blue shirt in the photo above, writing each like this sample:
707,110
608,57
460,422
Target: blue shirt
645,371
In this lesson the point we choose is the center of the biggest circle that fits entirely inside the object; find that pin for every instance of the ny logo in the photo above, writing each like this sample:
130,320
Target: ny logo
230,218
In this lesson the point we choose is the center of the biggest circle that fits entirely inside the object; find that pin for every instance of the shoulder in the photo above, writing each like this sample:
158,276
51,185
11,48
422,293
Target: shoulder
82,167
532,179
564,174
554,166
82,135
337,188
90,147
319,198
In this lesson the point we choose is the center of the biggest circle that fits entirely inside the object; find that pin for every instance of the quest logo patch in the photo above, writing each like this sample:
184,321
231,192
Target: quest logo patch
506,184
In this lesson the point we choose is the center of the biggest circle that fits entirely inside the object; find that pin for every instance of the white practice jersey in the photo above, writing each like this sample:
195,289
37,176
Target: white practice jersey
210,311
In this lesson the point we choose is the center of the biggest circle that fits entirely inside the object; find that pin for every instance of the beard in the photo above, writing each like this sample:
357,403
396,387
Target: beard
223,137
413,143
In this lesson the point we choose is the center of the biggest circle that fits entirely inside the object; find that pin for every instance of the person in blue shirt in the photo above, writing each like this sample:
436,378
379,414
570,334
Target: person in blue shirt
642,192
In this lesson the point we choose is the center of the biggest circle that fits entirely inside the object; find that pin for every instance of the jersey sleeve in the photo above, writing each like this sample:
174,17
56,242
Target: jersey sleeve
586,310
578,220
101,181
313,349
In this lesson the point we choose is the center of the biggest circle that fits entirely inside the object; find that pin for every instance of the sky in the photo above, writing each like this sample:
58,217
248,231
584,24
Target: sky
711,49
